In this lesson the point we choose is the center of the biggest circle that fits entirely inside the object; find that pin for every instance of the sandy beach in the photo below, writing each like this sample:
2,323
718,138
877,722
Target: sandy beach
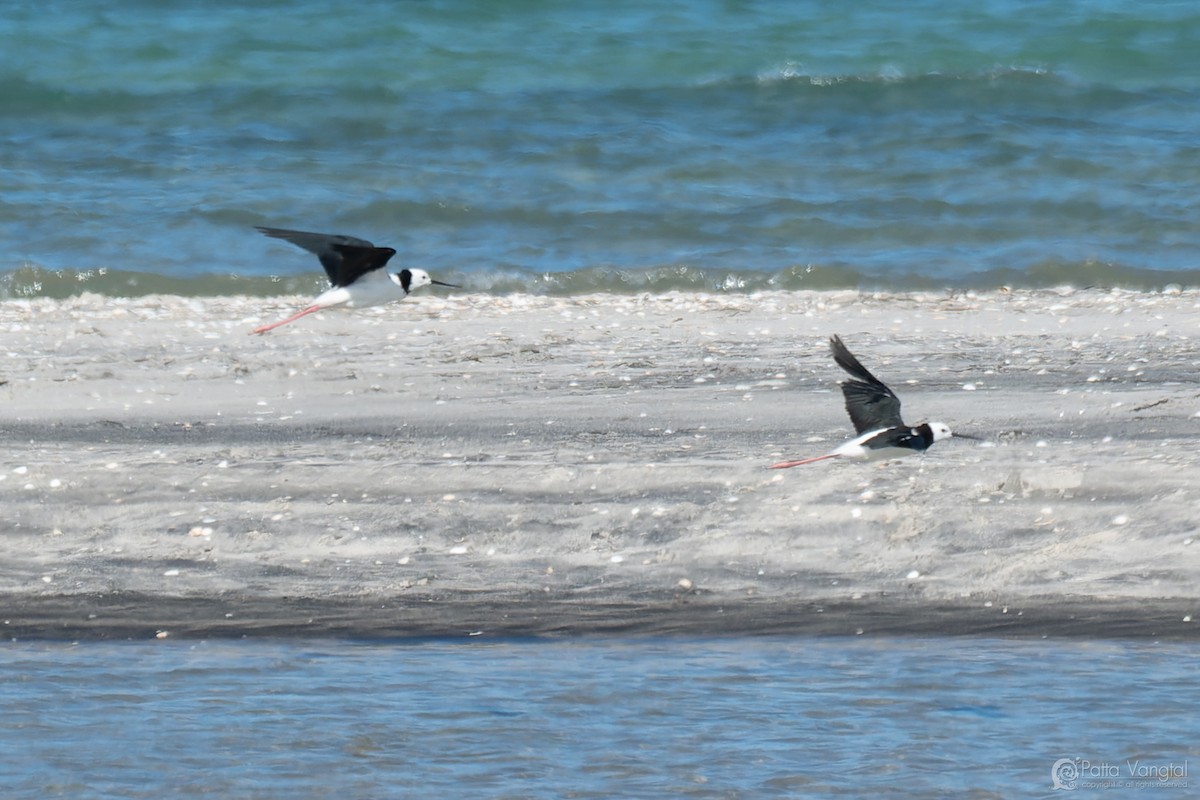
525,465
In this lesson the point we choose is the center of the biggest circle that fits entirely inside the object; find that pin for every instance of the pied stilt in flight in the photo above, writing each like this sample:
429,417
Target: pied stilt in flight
356,271
875,411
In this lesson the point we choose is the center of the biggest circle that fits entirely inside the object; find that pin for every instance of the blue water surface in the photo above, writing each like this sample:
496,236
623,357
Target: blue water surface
593,718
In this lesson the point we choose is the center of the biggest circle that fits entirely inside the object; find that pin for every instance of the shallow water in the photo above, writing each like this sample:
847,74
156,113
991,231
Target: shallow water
674,145
761,717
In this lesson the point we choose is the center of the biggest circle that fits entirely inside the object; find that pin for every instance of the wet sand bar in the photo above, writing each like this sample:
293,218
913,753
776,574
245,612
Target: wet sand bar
527,465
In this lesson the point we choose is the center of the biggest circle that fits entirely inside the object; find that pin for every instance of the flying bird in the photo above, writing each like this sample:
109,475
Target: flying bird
356,273
875,411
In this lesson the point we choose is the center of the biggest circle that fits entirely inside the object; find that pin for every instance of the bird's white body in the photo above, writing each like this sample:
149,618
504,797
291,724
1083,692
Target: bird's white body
372,289
882,444
861,447
856,448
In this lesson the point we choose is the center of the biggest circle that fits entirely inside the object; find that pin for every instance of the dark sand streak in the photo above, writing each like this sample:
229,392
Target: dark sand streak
489,614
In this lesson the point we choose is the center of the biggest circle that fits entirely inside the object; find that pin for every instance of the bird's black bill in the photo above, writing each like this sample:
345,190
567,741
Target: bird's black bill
958,435
440,283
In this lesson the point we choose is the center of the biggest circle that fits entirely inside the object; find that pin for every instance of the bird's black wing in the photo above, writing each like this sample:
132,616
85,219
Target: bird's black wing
345,258
869,402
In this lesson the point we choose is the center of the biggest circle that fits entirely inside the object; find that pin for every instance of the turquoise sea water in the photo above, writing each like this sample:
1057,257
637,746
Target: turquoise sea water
599,718
574,147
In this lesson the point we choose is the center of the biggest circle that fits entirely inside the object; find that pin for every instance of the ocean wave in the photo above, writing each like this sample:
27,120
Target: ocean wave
18,95
34,282
794,72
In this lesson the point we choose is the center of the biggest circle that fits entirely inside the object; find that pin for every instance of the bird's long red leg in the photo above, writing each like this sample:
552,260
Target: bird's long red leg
293,318
786,464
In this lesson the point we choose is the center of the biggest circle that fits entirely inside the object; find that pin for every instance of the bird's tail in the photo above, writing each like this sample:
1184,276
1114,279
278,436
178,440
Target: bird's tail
786,464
